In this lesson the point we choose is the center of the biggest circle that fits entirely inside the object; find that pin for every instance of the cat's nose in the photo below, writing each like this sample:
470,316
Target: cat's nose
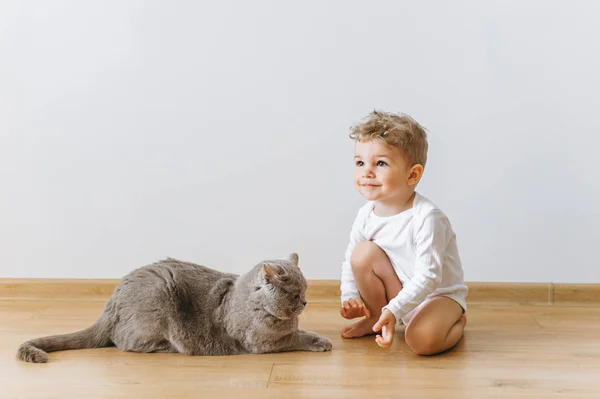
303,303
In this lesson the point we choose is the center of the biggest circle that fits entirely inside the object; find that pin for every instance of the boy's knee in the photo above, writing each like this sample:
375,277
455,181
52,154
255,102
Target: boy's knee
364,255
423,342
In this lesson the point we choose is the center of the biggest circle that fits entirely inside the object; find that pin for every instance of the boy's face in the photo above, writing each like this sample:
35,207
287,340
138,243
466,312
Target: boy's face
382,172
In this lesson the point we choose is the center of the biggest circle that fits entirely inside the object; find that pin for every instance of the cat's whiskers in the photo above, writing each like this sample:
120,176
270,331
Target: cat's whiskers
303,315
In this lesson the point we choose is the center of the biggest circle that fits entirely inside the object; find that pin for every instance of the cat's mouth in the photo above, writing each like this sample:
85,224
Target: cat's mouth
280,314
297,310
284,315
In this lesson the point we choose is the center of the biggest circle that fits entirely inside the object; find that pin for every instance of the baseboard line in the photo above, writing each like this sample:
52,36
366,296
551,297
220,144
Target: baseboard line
318,290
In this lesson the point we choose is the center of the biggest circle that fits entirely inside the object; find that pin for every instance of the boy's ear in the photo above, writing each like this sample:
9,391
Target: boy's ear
416,172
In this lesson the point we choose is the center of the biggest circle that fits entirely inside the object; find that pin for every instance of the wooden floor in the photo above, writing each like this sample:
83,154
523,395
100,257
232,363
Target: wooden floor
512,351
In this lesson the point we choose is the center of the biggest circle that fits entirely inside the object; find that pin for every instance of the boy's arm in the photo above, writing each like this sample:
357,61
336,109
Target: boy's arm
432,239
348,285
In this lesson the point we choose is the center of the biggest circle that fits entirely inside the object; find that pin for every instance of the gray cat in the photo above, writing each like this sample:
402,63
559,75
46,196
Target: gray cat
176,306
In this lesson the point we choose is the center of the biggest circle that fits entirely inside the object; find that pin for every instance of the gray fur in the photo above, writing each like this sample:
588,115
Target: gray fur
177,306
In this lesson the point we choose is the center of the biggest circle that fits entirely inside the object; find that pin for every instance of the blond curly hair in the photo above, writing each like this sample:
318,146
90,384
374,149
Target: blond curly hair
398,130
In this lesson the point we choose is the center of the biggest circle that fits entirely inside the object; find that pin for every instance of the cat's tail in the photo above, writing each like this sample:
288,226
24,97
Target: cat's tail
36,350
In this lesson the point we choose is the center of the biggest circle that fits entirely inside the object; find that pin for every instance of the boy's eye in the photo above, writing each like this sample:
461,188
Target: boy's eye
359,163
381,163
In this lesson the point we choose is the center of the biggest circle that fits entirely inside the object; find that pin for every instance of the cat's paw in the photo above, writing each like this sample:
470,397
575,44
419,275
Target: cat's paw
320,344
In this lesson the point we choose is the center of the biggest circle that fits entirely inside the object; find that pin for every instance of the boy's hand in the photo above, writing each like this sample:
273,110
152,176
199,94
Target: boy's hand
386,323
353,308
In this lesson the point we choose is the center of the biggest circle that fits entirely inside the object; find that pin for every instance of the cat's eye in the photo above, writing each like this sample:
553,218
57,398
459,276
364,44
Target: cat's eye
296,297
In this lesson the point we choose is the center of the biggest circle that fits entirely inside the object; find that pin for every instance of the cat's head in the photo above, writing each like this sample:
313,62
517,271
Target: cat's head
282,287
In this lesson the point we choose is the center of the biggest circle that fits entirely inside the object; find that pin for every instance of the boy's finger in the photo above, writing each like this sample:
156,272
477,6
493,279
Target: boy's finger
377,326
385,341
366,312
382,342
353,303
390,334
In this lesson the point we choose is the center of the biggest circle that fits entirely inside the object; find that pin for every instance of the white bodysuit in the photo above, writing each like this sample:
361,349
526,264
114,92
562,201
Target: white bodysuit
421,246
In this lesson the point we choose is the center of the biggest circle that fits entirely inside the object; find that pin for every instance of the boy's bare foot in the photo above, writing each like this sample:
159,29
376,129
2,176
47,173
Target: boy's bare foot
360,328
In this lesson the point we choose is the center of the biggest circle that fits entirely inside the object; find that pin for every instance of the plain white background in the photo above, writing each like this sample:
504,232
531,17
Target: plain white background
217,132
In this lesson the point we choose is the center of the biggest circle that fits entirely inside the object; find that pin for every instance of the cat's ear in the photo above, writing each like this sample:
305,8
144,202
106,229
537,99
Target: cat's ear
293,257
270,273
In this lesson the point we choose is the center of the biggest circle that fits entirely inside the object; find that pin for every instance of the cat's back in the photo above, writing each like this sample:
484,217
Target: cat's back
164,278
188,273
171,271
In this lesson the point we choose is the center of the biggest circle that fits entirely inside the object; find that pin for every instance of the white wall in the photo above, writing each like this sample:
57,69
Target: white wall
218,131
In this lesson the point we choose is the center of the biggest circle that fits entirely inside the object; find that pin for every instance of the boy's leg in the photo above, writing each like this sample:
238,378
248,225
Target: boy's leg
436,327
377,283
